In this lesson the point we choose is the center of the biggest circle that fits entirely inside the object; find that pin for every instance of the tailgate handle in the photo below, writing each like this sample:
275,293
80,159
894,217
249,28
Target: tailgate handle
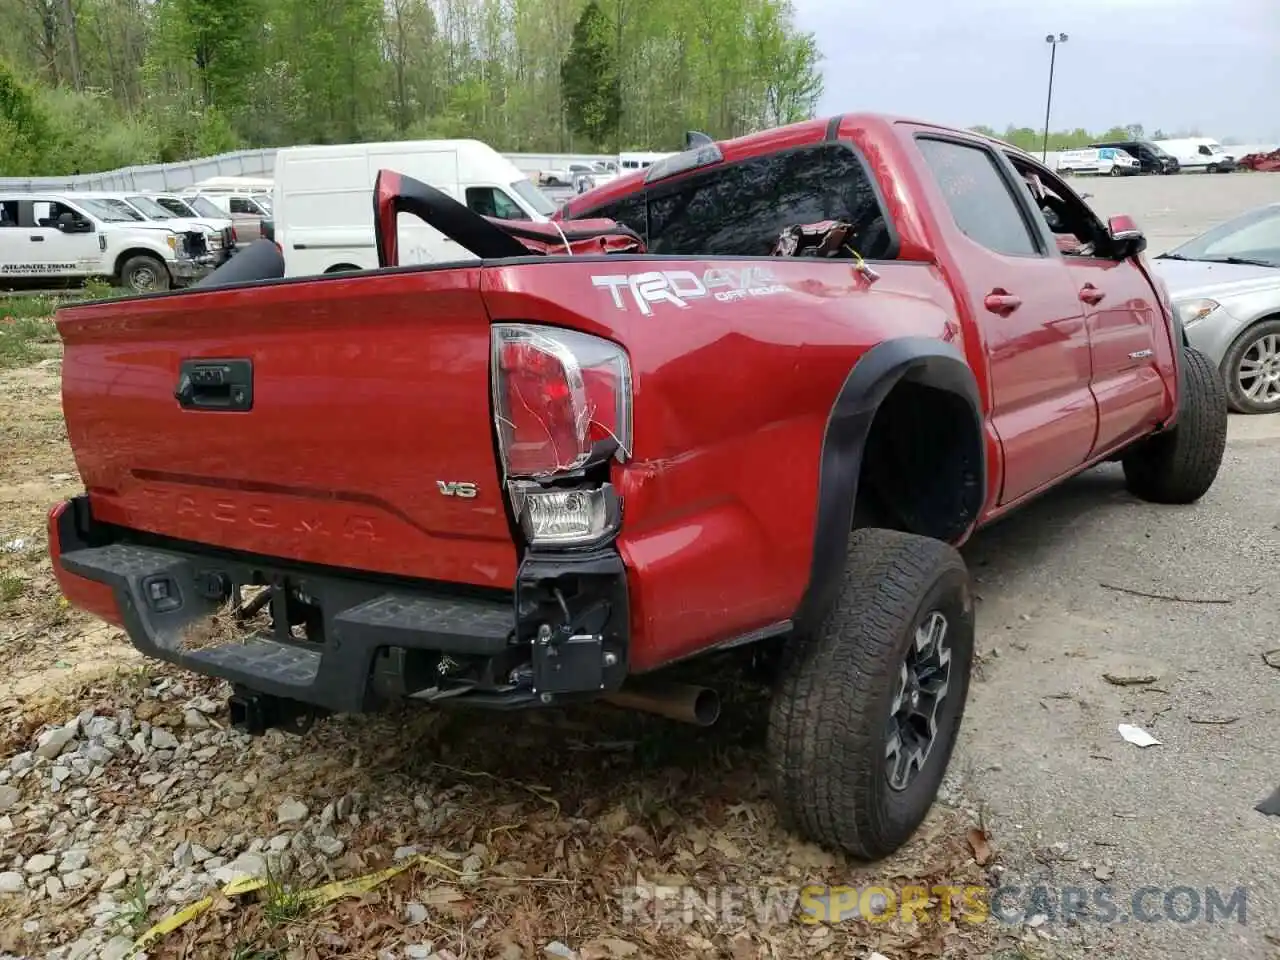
215,385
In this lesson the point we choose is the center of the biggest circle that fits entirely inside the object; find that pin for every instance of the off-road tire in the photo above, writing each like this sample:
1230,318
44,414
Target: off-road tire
1179,465
1231,368
142,262
829,719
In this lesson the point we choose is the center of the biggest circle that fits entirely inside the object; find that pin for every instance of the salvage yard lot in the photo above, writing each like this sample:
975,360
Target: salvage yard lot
528,828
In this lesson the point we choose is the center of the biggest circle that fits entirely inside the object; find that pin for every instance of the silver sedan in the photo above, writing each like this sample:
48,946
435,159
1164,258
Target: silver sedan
1225,285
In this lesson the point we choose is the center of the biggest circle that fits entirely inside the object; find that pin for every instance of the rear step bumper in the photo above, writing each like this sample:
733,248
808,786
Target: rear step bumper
344,642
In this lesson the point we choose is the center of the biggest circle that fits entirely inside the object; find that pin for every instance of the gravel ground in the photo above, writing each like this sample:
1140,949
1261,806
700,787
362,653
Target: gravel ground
1070,654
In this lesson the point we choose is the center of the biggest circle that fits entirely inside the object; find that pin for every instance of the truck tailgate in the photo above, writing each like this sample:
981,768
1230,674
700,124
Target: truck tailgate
368,417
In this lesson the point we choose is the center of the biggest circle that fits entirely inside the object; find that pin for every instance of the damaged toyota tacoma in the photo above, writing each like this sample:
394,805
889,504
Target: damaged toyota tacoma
756,394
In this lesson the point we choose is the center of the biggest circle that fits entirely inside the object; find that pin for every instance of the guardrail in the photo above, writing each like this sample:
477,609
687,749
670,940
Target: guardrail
240,163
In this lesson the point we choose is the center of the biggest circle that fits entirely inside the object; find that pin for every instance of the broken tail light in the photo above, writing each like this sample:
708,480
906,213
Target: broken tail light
562,402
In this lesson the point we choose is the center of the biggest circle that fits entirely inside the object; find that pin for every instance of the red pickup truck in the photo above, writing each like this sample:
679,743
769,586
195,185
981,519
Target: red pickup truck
756,394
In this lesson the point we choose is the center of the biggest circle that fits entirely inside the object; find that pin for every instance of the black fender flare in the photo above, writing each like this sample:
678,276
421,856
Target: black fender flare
924,360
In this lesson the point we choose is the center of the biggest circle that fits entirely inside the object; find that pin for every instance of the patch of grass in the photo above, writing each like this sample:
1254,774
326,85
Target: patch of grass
27,321
133,913
38,307
20,338
281,903
247,951
11,587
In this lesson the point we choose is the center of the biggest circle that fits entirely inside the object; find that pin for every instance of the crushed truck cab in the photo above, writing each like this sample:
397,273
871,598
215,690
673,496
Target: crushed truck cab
753,396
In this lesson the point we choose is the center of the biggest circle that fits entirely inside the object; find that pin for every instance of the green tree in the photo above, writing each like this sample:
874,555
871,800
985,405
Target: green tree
590,77
221,38
23,126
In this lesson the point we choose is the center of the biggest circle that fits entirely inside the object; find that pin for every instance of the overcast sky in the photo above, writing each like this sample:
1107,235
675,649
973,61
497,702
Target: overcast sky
1211,64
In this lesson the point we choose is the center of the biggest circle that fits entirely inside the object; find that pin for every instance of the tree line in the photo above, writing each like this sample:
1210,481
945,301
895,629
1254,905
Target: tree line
93,85
1033,140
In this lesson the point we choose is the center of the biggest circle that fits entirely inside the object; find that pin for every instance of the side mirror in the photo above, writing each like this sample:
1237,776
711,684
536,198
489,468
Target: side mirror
67,225
1126,239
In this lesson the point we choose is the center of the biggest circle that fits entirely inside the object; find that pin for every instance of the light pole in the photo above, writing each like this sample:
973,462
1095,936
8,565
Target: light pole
1053,41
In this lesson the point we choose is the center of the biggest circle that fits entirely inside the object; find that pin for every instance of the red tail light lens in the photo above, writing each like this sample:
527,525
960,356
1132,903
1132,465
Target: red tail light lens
235,237
557,393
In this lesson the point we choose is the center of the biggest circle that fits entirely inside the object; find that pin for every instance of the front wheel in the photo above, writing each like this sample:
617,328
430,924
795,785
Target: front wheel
1180,464
145,274
1252,369
867,709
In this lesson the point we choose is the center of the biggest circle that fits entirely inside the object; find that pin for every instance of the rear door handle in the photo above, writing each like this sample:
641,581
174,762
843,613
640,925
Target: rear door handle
1091,294
37,239
1001,301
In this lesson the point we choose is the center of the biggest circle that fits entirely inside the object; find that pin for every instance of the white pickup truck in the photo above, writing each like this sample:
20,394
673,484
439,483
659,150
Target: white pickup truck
218,233
50,238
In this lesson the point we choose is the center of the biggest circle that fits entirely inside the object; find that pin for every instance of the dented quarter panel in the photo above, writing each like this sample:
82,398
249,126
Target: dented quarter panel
732,396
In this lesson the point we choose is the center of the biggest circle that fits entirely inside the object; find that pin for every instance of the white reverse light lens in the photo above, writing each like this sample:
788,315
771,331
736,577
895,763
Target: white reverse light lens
566,517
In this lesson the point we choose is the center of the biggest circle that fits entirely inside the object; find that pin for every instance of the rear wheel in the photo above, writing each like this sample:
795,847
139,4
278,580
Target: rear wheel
342,268
144,274
1180,464
1252,369
867,709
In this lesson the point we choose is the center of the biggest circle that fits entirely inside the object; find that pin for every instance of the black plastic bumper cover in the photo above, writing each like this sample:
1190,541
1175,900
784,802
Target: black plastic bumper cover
367,627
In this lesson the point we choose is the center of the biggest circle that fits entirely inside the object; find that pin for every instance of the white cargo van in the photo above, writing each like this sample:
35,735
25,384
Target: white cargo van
1104,161
1200,153
323,200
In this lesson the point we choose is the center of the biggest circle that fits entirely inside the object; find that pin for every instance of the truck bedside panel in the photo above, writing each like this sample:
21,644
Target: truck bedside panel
734,381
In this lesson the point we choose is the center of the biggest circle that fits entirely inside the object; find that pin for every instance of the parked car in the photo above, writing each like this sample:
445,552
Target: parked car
1106,161
570,176
1266,161
246,210
631,162
66,238
1225,285
1151,158
186,207
534,478
217,233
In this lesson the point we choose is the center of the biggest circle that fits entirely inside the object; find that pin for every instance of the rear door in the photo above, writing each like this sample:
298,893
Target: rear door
1025,302
1123,318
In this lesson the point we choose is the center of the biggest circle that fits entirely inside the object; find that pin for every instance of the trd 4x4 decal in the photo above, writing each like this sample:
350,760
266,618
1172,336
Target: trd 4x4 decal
678,287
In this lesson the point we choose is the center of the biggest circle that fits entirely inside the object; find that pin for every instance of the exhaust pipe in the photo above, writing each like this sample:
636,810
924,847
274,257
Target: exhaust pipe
699,706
